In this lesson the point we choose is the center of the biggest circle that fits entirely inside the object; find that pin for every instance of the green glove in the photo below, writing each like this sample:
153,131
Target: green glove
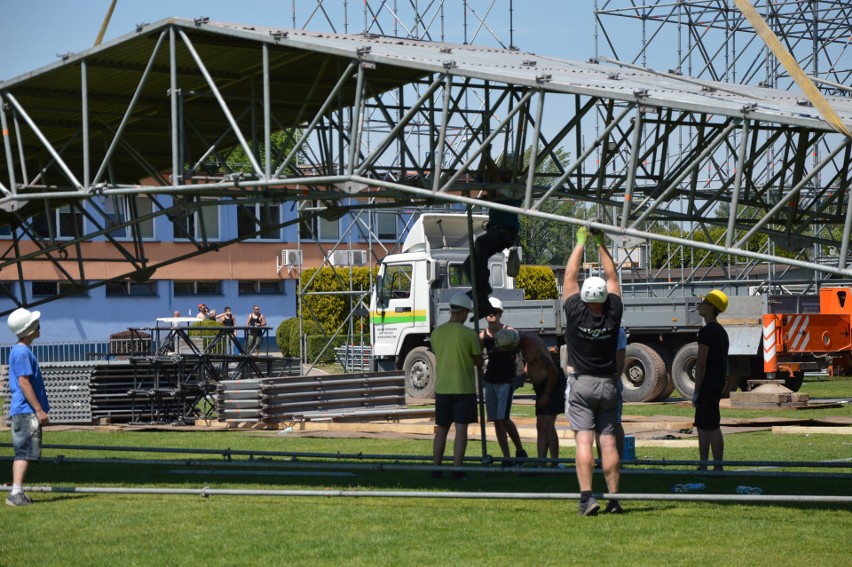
582,235
599,237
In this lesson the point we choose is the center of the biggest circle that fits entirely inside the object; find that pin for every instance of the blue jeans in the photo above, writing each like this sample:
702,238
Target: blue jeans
26,436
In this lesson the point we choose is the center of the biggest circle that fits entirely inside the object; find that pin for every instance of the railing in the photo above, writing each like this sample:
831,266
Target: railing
355,358
61,351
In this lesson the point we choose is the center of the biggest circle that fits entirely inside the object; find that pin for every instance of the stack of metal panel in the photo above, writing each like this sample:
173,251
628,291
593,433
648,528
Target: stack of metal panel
289,398
68,391
239,400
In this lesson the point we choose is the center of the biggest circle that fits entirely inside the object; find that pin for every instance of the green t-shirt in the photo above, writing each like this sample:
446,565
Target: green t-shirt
455,346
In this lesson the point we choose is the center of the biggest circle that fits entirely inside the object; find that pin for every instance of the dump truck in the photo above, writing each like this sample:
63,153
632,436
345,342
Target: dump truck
413,289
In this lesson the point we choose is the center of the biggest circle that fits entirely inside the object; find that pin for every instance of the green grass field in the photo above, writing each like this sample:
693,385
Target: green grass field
127,529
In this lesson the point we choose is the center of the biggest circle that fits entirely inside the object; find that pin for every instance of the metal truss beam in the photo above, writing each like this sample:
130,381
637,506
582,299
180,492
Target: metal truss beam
367,133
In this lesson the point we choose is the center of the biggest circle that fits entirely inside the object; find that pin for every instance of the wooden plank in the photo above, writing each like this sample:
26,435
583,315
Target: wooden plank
799,429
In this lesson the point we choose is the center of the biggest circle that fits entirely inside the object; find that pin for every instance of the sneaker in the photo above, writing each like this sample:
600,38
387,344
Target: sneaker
590,509
460,475
19,499
613,507
521,455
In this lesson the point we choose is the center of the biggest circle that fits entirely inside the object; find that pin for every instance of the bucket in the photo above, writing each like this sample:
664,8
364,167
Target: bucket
629,448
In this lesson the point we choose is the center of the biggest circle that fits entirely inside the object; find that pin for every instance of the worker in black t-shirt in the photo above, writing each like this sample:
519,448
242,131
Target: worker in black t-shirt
711,368
592,322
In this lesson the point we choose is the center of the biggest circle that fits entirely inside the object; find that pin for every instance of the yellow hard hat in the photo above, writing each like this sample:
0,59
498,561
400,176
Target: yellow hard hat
717,299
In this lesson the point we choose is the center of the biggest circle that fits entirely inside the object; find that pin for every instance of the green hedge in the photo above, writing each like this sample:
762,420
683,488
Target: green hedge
332,310
317,342
197,330
282,336
538,282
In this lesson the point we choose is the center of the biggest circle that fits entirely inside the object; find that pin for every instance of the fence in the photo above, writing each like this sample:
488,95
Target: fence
62,351
355,358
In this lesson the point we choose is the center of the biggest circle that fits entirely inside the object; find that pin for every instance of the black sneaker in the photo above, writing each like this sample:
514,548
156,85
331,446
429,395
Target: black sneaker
460,475
591,507
613,507
522,456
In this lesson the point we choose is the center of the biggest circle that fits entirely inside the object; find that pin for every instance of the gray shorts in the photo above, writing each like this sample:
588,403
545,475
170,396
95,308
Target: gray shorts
26,436
498,400
593,404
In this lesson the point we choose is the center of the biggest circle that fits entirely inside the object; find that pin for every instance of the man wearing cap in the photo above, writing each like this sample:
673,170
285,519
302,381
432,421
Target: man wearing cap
592,320
205,313
28,407
457,352
499,381
710,370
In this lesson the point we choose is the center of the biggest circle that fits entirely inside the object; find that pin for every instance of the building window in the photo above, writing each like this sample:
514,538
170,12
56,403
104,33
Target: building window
191,220
128,288
53,288
260,287
198,288
312,226
259,221
60,223
119,209
386,226
7,289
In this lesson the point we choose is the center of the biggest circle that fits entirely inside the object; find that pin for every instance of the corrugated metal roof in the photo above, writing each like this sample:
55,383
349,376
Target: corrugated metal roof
304,67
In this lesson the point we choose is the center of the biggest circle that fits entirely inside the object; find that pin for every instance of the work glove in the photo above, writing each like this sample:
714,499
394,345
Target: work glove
598,236
582,235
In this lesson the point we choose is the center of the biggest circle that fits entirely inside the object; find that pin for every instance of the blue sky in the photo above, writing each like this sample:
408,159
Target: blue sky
33,32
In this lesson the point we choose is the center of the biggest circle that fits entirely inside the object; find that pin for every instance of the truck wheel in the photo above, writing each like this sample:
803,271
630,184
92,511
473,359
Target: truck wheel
683,370
419,368
644,376
667,357
793,381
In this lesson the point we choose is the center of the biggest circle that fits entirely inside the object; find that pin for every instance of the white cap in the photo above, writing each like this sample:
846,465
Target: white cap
594,290
461,300
495,303
22,322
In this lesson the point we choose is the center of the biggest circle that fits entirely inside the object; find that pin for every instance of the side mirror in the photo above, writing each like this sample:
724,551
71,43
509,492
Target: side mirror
382,297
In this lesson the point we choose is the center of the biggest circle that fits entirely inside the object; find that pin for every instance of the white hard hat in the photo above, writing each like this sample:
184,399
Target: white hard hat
461,300
507,339
594,290
22,321
495,303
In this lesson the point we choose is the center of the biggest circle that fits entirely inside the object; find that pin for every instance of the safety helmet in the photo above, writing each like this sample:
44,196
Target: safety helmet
507,339
593,290
495,303
22,321
717,299
461,300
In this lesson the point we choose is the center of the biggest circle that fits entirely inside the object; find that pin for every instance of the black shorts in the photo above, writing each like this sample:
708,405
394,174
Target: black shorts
454,408
707,414
556,404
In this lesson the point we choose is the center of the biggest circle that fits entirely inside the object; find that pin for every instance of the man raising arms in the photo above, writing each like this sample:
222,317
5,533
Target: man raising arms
592,320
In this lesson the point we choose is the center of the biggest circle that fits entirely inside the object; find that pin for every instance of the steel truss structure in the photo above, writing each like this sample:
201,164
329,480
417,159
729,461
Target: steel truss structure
378,122
711,39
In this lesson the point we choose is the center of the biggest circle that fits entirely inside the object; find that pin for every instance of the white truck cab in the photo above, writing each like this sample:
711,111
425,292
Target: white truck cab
414,286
